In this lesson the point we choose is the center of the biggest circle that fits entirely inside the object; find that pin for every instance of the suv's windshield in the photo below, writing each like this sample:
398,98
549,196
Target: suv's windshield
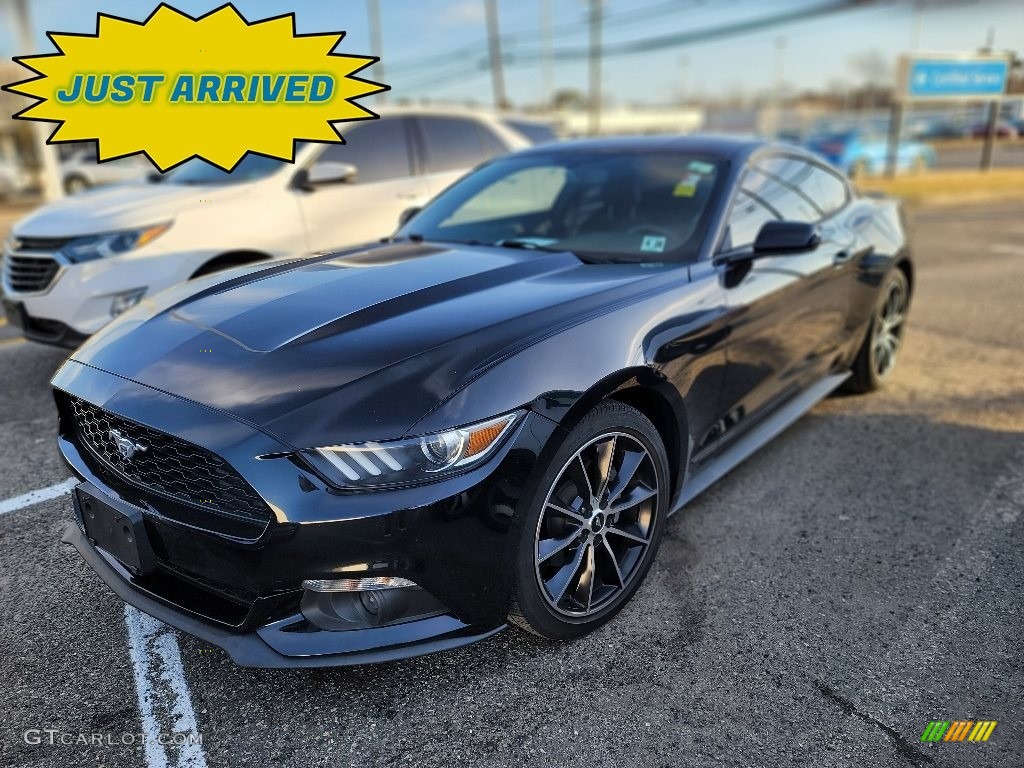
252,168
601,205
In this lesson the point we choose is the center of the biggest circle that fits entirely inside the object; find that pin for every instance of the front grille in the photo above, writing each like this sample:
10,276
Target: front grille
45,244
29,274
172,468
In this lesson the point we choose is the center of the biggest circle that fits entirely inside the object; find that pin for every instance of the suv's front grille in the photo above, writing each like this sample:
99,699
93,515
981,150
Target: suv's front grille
29,274
171,468
46,244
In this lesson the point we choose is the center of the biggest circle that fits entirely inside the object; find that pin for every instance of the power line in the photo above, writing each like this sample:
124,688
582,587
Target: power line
661,42
675,39
563,29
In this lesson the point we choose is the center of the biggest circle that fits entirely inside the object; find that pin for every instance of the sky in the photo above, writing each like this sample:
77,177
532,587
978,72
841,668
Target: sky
437,49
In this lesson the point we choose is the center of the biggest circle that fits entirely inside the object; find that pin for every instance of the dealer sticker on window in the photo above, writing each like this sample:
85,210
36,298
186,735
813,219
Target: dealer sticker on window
698,166
653,244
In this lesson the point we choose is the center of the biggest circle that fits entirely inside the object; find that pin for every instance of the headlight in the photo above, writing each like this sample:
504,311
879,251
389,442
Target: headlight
416,460
113,244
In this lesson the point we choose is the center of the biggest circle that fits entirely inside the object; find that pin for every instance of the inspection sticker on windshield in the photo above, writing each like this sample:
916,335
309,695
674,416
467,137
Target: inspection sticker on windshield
653,244
698,166
687,187
174,87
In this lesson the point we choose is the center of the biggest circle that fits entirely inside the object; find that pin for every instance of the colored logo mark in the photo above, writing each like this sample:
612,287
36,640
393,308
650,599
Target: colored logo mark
959,730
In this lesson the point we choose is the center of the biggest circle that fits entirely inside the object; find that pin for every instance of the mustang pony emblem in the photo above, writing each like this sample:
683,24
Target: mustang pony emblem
126,447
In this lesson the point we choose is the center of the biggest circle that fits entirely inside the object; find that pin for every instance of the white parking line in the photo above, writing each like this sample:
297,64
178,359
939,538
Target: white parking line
37,496
168,719
165,705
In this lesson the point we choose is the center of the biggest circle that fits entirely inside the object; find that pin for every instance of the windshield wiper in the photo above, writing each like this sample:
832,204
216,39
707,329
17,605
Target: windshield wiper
527,245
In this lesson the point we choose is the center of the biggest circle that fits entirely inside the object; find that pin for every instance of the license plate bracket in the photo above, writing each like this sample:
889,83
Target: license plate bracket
118,529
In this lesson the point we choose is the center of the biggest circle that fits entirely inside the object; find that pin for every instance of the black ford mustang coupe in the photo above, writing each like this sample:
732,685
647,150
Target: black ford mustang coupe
487,418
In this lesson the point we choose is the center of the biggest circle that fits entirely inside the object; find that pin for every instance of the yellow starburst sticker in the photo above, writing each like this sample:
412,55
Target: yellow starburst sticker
176,87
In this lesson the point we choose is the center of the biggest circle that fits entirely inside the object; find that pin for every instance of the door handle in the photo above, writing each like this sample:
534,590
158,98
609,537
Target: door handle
408,195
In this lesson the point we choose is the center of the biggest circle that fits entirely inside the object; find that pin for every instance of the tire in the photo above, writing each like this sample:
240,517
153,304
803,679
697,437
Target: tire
879,351
859,168
614,543
74,185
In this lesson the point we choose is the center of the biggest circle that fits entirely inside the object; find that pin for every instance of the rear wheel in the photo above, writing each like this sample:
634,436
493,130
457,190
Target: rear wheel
878,354
594,525
860,168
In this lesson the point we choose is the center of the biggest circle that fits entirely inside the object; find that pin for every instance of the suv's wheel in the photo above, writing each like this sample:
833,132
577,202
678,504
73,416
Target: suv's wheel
878,353
74,185
594,524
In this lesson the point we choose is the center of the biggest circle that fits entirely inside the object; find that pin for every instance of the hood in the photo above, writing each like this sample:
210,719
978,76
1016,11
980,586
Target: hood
359,345
110,209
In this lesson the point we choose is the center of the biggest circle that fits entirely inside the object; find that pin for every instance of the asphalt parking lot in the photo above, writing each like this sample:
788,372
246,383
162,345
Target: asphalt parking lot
859,577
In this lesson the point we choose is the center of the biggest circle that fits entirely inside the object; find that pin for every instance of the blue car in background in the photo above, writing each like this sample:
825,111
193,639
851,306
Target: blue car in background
863,154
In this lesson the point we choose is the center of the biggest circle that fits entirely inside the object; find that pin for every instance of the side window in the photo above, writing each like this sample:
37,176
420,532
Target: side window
451,144
826,189
779,195
746,219
379,149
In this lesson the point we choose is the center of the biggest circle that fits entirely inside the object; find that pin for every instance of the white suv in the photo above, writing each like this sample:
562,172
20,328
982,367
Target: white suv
74,265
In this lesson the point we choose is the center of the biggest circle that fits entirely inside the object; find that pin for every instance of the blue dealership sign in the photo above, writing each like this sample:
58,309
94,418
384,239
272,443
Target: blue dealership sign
953,78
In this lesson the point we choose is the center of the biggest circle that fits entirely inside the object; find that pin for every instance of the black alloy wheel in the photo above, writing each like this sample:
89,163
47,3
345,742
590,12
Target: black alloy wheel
593,533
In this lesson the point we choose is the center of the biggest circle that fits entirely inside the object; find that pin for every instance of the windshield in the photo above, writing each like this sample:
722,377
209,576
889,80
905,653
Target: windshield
252,168
601,205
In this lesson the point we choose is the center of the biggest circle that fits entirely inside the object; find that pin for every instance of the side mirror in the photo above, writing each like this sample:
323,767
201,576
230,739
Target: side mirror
786,237
329,172
406,216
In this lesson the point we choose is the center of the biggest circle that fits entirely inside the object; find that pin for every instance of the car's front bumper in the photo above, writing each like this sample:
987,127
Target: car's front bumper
454,538
80,296
41,330
250,649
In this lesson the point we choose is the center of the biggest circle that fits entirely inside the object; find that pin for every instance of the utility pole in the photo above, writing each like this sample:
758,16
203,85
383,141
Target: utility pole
596,24
915,25
494,46
50,171
777,86
684,79
376,43
992,119
547,54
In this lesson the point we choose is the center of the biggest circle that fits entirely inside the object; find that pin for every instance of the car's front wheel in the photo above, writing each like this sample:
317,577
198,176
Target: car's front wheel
593,526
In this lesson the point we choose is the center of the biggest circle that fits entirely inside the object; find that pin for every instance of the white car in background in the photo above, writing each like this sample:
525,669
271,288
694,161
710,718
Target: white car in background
74,265
81,171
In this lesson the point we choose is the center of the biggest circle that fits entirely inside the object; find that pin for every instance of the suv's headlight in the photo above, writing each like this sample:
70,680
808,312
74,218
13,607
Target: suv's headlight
416,460
112,244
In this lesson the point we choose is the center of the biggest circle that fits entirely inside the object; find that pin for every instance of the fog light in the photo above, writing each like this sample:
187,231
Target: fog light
379,601
125,301
370,584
